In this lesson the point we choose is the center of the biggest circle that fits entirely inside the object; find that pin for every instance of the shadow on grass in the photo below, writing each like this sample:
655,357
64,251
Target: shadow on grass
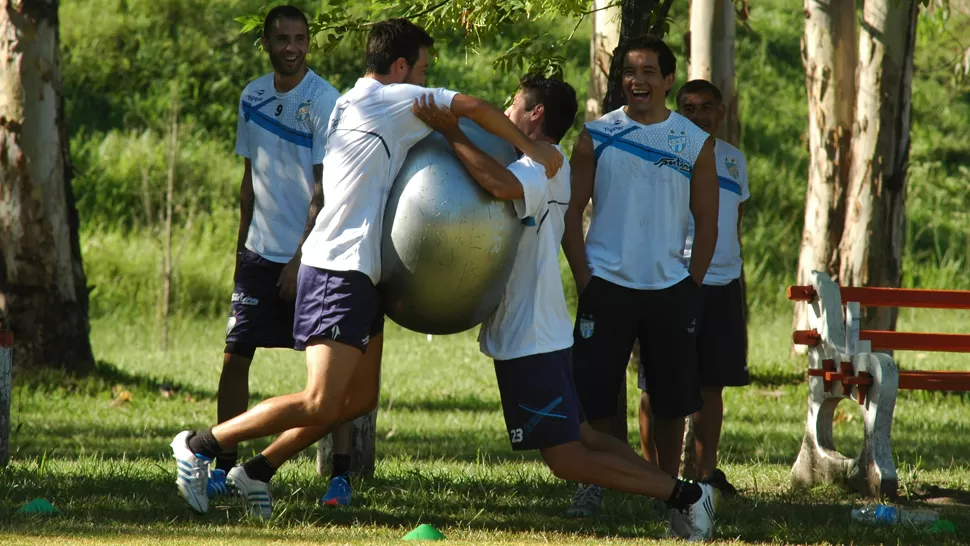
399,500
106,376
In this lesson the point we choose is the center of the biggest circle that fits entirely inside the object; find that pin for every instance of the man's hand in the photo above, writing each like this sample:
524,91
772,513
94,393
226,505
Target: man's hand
582,281
287,280
548,156
440,119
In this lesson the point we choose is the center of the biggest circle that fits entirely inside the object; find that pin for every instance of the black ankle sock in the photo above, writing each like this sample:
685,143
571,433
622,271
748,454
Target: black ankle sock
204,443
685,494
341,465
258,468
226,460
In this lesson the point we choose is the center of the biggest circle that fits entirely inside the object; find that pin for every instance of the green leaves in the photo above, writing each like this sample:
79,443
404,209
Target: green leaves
472,20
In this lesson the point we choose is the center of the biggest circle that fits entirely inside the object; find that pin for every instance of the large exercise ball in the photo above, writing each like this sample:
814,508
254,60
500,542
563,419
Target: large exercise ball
448,245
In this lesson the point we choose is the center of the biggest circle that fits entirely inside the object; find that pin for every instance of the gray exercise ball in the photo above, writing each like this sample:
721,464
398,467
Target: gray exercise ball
448,245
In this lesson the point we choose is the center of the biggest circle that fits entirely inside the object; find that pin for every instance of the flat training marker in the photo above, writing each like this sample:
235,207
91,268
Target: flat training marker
425,532
38,506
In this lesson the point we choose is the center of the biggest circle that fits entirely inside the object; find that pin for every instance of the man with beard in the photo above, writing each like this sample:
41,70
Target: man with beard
281,133
647,170
339,320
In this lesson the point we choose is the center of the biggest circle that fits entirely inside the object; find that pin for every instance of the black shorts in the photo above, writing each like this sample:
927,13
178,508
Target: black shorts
722,341
609,318
259,317
340,305
539,400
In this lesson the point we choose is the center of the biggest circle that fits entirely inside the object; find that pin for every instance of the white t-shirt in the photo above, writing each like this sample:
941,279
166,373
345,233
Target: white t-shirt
532,317
641,199
732,177
371,130
283,135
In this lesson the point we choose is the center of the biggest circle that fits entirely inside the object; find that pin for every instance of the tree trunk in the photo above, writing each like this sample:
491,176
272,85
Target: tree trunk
605,37
167,269
42,285
829,53
710,54
363,436
636,17
871,247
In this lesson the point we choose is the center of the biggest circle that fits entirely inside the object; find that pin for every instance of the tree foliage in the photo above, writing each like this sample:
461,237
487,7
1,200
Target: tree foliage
473,21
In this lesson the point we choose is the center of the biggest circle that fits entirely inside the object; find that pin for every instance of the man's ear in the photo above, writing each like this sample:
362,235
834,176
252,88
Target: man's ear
721,113
538,111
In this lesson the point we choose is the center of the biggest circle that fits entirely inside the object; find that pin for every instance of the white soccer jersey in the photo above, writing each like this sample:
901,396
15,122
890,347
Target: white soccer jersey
641,199
371,130
532,317
732,177
284,136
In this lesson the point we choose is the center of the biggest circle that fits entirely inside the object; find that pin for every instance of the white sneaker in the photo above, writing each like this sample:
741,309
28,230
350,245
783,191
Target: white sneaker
586,501
700,515
678,526
192,473
254,493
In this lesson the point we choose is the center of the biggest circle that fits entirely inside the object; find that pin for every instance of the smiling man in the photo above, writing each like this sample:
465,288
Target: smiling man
281,133
721,337
647,170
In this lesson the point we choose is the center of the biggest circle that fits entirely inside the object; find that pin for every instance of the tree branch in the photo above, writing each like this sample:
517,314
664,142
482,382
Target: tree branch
428,10
658,27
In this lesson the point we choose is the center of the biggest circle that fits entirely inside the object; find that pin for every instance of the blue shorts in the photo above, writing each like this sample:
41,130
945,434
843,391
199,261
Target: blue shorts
343,306
259,317
539,400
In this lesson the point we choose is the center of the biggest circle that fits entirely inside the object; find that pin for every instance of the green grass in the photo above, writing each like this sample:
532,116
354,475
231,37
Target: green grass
443,456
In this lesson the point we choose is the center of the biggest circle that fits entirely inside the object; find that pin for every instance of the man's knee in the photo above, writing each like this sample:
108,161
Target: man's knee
322,410
239,354
565,461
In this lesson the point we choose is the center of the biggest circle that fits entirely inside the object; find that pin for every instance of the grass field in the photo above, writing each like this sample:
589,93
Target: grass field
98,449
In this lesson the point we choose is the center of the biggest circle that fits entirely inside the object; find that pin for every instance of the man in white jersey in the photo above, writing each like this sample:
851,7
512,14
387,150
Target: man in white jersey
529,333
281,133
722,348
338,319
647,170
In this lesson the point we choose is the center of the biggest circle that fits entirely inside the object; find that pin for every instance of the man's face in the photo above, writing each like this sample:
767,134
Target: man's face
287,45
644,86
418,72
703,109
528,121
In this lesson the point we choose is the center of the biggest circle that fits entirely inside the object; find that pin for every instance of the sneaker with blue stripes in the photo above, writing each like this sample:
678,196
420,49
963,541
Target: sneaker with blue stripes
217,486
255,494
192,473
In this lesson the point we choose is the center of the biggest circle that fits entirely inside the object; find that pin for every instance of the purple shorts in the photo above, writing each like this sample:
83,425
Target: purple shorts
259,318
339,305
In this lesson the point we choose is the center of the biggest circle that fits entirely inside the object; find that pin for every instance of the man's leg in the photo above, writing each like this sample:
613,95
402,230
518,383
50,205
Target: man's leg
336,312
707,430
233,396
722,358
648,445
603,337
668,354
542,411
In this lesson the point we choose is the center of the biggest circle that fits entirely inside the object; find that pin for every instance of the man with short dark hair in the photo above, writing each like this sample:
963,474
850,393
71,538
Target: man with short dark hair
339,319
722,347
281,133
647,169
529,333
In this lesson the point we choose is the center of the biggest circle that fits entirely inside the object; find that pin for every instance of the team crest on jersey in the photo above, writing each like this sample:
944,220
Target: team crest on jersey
586,327
677,142
732,166
303,112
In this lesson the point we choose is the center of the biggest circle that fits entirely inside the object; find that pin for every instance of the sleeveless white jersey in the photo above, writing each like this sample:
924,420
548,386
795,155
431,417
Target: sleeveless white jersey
641,199
283,135
732,177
